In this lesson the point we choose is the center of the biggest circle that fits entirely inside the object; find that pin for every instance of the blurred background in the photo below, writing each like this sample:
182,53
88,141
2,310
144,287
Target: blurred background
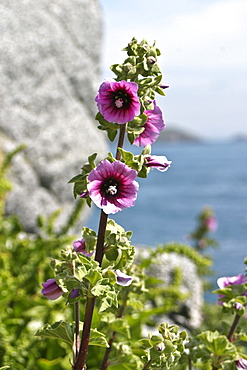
204,60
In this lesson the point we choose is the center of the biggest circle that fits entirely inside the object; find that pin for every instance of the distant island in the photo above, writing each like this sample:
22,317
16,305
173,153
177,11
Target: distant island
240,138
176,134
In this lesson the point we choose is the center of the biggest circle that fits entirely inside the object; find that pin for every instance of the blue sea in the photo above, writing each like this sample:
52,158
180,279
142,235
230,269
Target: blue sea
201,174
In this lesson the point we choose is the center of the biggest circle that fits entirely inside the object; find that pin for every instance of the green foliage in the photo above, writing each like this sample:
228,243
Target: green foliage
65,332
206,223
5,185
234,298
164,350
110,127
59,330
23,267
80,181
202,263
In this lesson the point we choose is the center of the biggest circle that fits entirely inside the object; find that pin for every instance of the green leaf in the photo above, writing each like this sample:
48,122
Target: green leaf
131,137
94,277
217,344
91,160
44,364
147,150
169,347
59,330
144,342
159,91
111,276
76,178
109,300
105,124
97,339
119,325
90,238
4,367
155,339
112,254
112,134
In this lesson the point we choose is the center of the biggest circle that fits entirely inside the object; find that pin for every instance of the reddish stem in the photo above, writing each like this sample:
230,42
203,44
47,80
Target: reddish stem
105,361
77,329
82,354
233,327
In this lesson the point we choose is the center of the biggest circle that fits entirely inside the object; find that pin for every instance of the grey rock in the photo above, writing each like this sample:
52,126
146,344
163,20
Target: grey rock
162,267
49,69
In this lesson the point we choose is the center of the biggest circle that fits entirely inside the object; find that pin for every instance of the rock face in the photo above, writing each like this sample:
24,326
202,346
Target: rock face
49,69
190,312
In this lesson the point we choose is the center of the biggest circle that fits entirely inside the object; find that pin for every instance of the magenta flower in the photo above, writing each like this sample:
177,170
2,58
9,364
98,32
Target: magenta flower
233,280
118,101
152,127
241,364
51,289
80,246
158,161
112,186
211,223
123,279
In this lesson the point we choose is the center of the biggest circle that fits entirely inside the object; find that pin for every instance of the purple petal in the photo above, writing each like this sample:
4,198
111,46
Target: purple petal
74,293
233,280
118,101
160,162
152,127
123,279
112,186
241,364
238,306
80,246
51,289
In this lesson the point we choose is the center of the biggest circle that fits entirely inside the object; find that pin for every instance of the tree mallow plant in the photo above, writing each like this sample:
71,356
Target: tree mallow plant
97,275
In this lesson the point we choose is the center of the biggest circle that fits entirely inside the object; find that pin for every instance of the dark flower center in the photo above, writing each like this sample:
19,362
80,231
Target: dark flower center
111,187
121,99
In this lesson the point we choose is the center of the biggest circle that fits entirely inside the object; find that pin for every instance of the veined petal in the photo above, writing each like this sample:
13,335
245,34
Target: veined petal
112,186
51,289
118,101
123,279
160,162
152,127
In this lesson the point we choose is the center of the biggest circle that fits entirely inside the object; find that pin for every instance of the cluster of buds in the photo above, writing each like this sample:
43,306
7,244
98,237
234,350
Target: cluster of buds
207,223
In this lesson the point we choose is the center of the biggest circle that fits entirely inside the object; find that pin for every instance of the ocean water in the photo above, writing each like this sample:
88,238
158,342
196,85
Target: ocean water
201,174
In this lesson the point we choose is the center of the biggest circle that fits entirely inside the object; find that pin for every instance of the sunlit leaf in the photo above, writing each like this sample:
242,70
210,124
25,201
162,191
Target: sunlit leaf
59,330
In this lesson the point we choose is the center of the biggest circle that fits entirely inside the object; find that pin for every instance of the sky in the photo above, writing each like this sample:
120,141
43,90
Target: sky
204,58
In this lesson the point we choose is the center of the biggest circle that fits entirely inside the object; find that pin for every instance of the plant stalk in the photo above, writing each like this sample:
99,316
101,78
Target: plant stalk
77,322
105,362
82,354
120,140
146,366
77,328
233,327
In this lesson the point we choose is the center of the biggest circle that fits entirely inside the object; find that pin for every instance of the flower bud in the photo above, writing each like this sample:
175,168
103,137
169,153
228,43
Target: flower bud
51,289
